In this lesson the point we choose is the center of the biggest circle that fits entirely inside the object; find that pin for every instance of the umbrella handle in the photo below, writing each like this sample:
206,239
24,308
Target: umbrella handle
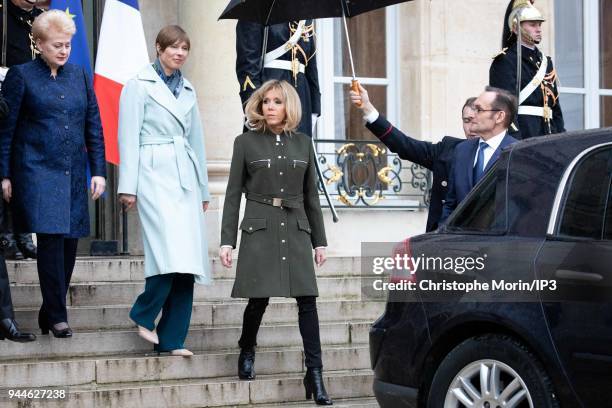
355,88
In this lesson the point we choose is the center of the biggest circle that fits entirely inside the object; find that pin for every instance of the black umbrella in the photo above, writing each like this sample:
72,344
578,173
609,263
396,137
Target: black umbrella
268,12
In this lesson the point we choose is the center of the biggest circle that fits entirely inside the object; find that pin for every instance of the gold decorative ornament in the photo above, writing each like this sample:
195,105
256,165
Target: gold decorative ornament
343,198
248,82
336,174
375,149
296,49
502,52
377,198
343,149
383,175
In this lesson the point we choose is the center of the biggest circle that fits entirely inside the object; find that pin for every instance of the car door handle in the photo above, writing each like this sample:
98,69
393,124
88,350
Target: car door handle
578,275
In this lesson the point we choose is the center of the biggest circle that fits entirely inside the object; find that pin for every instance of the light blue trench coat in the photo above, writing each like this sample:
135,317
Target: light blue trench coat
163,163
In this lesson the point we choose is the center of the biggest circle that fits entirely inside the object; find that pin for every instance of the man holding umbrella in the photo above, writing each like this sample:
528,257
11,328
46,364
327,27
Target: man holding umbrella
539,109
436,157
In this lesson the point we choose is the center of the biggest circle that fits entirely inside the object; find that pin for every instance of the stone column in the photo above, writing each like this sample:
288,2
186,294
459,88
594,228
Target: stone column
211,70
446,49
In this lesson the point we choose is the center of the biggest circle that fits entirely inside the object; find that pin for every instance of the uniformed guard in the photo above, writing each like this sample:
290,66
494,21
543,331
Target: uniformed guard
539,109
18,47
283,52
289,55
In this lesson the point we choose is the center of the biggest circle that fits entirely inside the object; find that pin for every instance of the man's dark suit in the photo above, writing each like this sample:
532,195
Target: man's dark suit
461,179
436,157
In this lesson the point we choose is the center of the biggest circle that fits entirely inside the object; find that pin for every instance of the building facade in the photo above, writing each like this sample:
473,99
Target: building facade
419,60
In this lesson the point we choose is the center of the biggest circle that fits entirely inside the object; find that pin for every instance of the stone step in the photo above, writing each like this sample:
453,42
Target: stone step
123,293
95,343
138,368
338,403
218,392
210,314
125,269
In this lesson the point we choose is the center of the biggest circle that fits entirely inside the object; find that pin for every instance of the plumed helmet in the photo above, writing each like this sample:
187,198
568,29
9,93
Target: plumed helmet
524,10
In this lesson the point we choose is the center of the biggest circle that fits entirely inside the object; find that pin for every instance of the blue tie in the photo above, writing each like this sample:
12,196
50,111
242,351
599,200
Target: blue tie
480,162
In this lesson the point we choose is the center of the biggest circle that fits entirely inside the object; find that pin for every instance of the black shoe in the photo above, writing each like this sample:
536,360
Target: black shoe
246,364
60,334
10,331
28,249
12,252
313,384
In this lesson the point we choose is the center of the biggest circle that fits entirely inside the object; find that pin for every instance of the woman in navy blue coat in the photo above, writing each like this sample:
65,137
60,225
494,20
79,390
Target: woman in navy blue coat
52,131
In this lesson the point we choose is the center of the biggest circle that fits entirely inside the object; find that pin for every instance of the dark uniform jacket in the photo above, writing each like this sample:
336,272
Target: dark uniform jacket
437,157
249,42
502,74
52,131
19,22
275,256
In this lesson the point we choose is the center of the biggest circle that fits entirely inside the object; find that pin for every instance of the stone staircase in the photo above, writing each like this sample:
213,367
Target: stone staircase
106,364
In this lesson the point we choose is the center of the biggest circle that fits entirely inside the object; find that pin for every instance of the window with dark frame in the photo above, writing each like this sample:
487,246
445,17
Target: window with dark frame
587,197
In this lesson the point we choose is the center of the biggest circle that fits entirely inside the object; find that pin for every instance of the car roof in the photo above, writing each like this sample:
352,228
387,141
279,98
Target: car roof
535,168
572,141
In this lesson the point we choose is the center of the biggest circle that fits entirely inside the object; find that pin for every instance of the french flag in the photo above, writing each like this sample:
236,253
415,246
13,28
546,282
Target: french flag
122,53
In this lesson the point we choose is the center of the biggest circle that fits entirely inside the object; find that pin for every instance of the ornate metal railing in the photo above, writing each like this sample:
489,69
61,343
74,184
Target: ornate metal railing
363,173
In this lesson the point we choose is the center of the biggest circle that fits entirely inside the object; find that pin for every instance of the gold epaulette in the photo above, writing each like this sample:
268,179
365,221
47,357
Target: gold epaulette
502,52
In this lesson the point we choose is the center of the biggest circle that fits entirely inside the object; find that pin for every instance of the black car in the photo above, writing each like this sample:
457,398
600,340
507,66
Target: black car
541,216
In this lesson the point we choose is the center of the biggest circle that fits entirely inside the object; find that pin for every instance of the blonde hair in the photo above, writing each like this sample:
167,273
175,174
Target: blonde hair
293,106
52,20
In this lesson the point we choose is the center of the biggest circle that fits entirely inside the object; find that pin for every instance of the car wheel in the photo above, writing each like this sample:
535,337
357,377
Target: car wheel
491,371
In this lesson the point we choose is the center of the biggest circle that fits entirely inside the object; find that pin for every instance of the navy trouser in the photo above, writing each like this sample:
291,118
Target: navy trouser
172,294
55,261
6,305
308,321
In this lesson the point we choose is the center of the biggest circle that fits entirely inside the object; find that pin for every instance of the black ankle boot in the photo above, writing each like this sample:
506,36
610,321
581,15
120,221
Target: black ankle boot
246,364
9,330
313,384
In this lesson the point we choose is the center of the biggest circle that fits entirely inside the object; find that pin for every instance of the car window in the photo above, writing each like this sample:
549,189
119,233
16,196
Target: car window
485,210
587,198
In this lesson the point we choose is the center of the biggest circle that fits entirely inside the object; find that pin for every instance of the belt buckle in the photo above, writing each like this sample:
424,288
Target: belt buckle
277,202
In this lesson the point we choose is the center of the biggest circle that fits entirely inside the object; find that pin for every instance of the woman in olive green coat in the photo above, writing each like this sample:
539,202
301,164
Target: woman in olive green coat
274,167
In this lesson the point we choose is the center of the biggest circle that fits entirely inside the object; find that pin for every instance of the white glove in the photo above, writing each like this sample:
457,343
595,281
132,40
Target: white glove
315,117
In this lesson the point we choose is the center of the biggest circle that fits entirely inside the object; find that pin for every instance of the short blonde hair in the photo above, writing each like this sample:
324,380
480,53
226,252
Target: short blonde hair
293,106
52,20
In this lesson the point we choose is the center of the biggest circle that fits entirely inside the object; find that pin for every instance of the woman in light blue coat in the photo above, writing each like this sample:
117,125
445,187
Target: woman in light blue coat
163,173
